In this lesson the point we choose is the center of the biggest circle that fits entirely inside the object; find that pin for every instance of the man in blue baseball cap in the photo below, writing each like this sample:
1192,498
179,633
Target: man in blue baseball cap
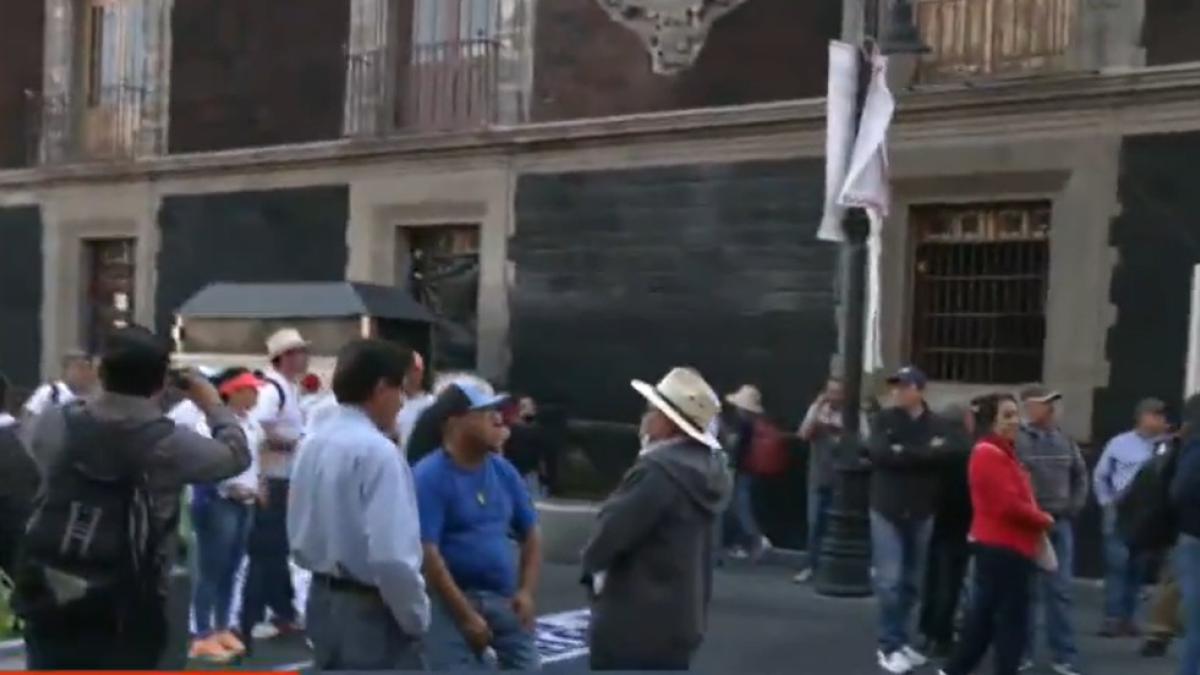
907,447
472,502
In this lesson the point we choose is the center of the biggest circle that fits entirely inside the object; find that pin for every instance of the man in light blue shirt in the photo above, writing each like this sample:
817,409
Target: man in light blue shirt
353,522
1123,457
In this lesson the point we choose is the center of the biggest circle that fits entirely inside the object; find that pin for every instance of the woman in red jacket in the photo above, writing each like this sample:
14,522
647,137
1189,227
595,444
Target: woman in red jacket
1007,531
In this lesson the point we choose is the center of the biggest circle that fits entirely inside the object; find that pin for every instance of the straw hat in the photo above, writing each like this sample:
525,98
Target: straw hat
687,400
748,398
283,341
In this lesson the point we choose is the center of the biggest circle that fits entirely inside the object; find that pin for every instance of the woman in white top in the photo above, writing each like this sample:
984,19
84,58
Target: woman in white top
221,517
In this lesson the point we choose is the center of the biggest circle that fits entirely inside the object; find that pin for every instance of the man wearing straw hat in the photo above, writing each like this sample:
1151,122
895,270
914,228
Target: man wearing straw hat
646,563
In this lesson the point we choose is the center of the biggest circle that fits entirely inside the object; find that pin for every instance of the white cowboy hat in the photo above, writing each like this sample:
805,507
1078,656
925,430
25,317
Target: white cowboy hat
748,398
685,398
283,341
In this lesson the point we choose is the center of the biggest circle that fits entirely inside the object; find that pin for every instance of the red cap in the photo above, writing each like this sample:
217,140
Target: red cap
243,381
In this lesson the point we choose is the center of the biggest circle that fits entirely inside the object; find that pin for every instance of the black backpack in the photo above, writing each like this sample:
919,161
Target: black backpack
91,544
1146,519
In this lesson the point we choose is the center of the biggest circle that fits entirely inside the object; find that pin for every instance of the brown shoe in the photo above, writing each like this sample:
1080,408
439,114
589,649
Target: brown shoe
209,650
230,642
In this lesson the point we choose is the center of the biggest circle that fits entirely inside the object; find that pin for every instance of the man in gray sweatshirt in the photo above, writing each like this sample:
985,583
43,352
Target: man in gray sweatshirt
1060,481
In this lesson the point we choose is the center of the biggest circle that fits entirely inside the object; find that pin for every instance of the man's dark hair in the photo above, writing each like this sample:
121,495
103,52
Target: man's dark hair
227,375
363,363
134,362
986,408
428,430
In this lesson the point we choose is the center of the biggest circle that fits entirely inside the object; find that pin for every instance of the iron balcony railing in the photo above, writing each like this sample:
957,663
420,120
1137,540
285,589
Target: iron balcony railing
441,86
105,129
973,38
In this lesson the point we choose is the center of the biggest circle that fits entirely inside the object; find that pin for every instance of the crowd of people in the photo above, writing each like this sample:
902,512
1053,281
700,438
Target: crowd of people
407,502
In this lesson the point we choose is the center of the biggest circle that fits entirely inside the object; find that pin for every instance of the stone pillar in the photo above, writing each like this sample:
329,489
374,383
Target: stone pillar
370,96
59,123
1109,34
514,77
154,116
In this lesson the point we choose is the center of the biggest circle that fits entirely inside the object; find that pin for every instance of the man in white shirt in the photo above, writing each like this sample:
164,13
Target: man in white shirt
268,575
79,379
354,522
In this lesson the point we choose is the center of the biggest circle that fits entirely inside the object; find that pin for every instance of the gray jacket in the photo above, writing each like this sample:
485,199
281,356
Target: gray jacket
181,458
1060,476
653,540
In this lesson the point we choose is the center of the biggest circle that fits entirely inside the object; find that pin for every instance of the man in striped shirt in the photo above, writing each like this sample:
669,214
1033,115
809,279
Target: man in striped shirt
1123,457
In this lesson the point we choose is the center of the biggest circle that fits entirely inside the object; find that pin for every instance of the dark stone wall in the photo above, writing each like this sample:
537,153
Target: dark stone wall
1157,238
624,274
587,65
1169,31
281,235
21,295
256,73
21,31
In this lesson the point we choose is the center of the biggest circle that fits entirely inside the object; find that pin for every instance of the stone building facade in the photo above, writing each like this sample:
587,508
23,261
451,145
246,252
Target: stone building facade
619,221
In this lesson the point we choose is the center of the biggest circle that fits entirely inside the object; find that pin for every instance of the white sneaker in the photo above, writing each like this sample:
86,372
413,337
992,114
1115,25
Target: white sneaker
803,576
264,631
916,658
1064,669
896,662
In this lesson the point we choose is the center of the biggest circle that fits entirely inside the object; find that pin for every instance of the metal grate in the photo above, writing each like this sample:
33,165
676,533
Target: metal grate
987,37
979,292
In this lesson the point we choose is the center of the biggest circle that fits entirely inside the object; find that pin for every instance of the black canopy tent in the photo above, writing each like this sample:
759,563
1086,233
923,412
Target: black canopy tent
228,318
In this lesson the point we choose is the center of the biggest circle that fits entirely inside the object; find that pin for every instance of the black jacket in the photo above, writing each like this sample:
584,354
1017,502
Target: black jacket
18,487
1185,488
908,456
954,511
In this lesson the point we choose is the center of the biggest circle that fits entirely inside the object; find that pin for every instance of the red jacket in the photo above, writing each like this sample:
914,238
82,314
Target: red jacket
1006,513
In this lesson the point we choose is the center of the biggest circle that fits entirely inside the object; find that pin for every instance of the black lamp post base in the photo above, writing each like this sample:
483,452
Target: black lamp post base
844,569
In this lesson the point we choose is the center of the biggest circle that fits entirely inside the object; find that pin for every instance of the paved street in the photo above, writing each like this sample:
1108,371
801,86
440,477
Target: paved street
761,623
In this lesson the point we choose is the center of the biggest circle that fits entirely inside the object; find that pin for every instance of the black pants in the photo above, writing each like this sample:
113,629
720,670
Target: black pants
999,613
97,642
268,576
948,559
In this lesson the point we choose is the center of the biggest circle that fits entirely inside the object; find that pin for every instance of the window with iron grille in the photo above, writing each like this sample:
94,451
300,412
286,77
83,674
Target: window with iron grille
979,291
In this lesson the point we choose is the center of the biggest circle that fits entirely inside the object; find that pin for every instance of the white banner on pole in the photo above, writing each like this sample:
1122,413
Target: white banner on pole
839,133
1191,383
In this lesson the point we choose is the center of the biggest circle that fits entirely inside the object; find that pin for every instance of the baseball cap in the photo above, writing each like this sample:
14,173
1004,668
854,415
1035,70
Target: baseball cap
474,399
909,376
1151,406
1040,394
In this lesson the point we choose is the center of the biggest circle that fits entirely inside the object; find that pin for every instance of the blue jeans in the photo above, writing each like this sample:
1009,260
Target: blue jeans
221,527
898,550
743,509
516,647
819,501
1187,571
1122,572
1052,596
268,576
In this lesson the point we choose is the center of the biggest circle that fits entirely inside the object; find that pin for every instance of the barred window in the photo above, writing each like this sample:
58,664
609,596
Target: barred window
973,38
979,291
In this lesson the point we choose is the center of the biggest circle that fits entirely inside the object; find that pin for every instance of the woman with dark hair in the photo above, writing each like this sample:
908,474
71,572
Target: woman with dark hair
1007,529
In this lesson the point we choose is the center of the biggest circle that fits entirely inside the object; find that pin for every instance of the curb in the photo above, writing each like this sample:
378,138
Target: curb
14,647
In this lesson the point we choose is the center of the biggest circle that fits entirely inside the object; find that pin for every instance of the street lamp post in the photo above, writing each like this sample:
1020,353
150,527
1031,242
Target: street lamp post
845,556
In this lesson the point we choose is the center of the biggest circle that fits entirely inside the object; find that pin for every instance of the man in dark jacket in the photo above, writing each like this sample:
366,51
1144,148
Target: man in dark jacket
17,488
908,446
1060,481
949,551
646,563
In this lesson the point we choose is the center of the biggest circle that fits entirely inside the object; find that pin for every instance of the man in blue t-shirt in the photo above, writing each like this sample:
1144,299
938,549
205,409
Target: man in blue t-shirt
473,503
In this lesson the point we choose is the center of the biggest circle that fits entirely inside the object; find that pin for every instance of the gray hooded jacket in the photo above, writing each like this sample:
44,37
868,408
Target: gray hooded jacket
653,540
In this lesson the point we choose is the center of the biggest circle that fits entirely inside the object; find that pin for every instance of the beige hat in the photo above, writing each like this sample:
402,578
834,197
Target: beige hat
283,341
685,398
748,398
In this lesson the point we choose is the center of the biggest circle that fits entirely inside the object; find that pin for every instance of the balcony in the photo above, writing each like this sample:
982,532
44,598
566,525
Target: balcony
105,129
990,38
444,86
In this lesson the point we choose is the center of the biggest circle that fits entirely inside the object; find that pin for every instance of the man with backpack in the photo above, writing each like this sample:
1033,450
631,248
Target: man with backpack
91,577
755,451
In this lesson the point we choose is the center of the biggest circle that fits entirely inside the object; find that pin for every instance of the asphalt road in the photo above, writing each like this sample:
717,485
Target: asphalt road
760,623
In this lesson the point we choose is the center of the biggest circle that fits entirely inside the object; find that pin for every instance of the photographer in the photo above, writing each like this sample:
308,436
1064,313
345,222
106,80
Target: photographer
92,577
